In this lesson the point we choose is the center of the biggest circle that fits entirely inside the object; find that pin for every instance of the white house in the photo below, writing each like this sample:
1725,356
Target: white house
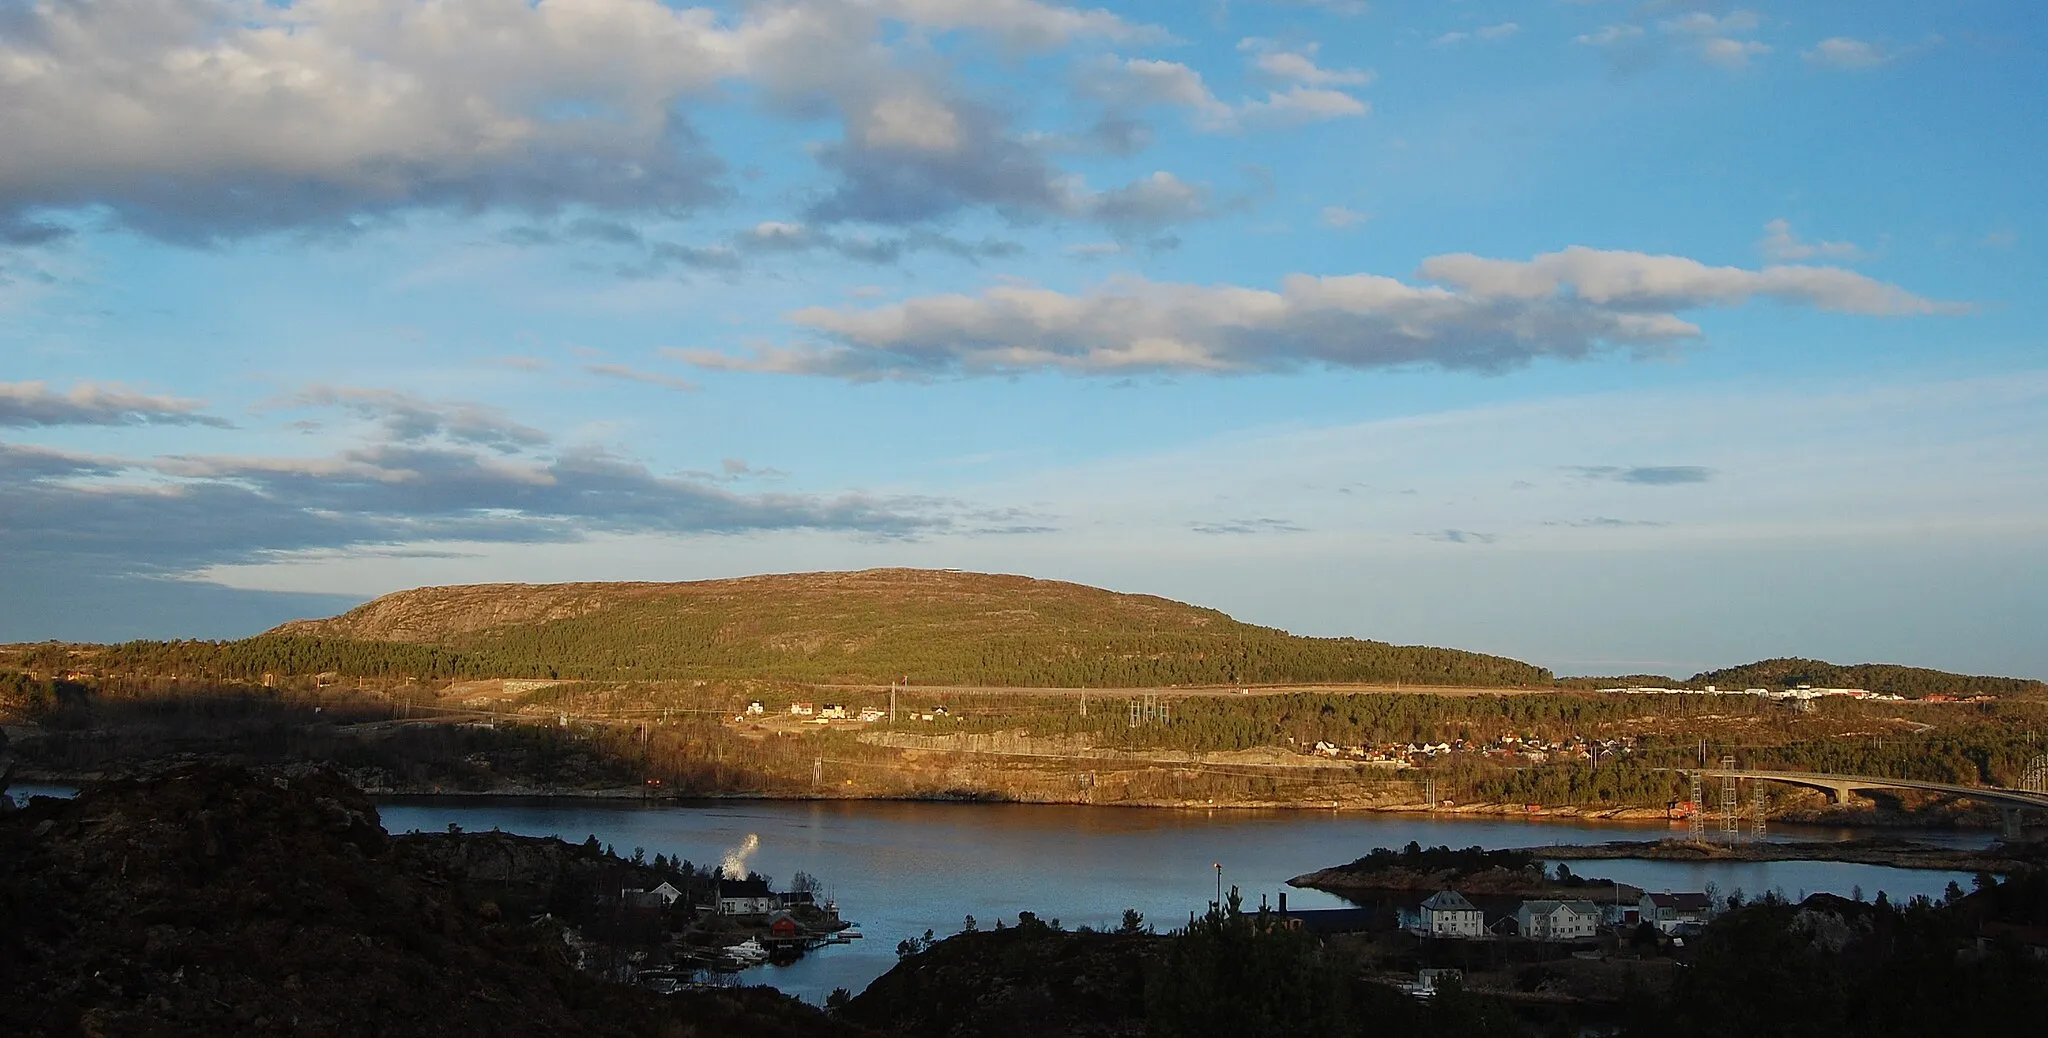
745,897
834,711
872,715
1544,920
1446,913
802,709
756,709
1674,912
666,891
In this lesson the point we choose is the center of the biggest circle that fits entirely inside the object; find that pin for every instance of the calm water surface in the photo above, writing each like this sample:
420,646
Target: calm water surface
899,869
19,792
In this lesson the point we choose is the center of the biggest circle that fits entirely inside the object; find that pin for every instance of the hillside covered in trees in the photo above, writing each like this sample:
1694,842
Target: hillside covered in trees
1912,682
931,627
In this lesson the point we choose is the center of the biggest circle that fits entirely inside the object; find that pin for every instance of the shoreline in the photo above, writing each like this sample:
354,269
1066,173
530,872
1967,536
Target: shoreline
1892,852
1631,817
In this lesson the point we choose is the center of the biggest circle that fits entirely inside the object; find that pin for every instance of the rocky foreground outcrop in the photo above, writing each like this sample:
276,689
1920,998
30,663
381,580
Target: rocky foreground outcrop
212,899
1025,982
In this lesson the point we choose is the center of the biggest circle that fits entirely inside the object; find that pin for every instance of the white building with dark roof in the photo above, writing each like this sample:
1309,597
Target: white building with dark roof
1446,913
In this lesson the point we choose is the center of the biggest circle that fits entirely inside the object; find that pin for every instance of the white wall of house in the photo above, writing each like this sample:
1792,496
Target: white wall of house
1454,922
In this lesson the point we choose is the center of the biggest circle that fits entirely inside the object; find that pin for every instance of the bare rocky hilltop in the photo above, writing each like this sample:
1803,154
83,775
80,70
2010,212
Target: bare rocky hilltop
807,606
934,626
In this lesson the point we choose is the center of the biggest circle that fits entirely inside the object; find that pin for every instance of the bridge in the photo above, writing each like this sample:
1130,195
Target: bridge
1840,787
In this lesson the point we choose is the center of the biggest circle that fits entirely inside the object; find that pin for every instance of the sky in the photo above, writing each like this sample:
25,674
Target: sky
1614,336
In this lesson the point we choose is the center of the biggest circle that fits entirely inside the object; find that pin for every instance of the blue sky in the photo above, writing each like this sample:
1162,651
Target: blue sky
1613,336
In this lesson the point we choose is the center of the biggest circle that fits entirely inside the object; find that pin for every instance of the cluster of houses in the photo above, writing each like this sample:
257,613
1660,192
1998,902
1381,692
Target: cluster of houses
826,713
1510,746
744,900
1797,693
1449,914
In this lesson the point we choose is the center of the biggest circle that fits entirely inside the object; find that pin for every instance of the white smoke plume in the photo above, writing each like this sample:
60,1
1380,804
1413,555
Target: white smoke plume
735,863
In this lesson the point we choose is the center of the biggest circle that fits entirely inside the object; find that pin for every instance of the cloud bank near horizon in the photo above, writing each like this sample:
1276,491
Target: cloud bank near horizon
1471,313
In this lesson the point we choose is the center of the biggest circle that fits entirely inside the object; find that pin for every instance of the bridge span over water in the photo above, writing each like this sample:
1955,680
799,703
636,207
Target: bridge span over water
1841,787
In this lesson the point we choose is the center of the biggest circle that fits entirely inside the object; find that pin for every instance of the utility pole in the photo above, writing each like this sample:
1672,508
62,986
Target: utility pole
892,702
1731,804
1218,903
1696,818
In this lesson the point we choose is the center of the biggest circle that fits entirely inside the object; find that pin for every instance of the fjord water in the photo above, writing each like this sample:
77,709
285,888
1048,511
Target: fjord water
899,869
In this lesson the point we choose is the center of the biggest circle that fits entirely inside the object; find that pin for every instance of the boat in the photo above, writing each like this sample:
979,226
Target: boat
749,952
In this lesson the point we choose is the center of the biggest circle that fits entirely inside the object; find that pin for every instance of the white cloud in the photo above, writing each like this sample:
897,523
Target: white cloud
1299,64
1485,32
29,404
1025,23
1343,216
402,418
913,121
1147,203
1779,243
1702,23
1716,39
1843,52
202,119
1609,35
1473,313
1145,82
1730,53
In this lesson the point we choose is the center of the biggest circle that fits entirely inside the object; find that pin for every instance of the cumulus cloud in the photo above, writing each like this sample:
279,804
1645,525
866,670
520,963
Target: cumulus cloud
1779,243
1647,475
1730,53
406,419
24,462
1704,23
1609,35
650,256
181,513
1718,39
427,472
1148,203
1476,314
912,158
197,120
1136,83
1298,64
1844,52
1485,32
35,404
1343,216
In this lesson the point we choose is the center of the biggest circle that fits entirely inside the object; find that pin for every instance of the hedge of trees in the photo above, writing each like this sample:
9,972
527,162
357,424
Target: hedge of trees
595,651
35,698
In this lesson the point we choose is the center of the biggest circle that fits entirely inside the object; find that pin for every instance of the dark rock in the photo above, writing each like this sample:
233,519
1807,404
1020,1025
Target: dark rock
209,899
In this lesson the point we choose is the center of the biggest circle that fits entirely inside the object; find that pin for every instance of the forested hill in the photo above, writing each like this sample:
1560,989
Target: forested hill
1913,682
932,627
